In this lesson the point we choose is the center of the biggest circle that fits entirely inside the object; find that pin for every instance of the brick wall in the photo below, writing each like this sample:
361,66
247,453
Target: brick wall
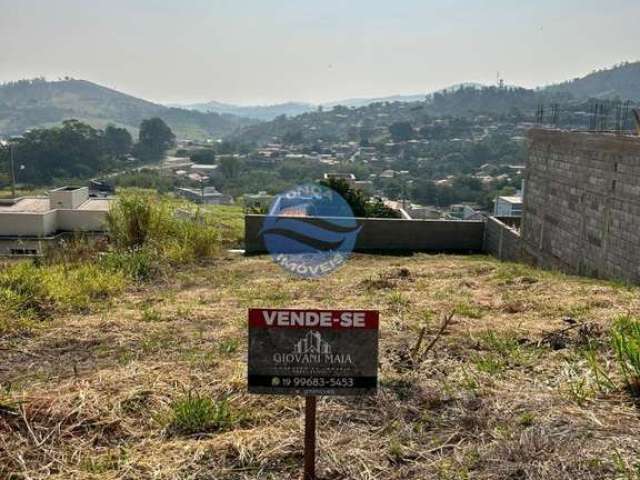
582,203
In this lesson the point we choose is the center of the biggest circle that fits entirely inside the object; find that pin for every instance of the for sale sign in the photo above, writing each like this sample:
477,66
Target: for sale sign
313,352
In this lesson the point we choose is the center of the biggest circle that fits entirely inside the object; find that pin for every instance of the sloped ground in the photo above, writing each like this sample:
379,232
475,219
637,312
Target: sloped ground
505,393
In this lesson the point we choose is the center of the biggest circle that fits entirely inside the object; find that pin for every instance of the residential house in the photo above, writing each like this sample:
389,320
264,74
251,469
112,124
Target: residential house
508,206
29,224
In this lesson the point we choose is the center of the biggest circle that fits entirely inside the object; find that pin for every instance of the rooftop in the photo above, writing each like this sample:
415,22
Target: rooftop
203,166
511,198
94,204
26,205
42,205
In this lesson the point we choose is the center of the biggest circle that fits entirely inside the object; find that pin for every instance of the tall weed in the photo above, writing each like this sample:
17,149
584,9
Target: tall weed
625,340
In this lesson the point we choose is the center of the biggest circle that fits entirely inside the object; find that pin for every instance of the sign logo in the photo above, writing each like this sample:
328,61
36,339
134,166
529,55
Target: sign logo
312,343
310,230
311,349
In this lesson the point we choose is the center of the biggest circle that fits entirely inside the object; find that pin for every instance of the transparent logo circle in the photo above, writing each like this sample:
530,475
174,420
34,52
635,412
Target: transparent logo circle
310,230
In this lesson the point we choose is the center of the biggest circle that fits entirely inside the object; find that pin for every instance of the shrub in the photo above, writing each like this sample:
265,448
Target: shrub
80,286
229,346
29,291
360,203
625,339
151,315
139,222
190,240
138,264
134,219
195,413
23,292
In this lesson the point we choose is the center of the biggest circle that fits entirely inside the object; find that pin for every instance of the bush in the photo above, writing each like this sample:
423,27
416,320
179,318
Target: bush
29,291
191,240
195,413
133,220
139,265
80,286
625,339
23,292
138,222
361,205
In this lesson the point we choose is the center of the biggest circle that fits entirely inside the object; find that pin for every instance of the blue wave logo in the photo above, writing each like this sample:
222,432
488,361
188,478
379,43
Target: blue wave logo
310,230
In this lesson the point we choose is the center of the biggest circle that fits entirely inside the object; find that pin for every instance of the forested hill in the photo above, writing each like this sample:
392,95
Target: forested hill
28,104
464,101
344,123
621,81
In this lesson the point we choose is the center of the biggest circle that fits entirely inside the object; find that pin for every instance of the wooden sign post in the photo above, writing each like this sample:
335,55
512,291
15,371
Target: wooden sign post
309,438
312,353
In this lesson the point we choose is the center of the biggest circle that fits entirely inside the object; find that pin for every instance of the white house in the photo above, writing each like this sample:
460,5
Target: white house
27,224
508,206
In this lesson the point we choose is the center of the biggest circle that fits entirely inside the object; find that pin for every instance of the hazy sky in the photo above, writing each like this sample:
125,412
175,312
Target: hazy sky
264,51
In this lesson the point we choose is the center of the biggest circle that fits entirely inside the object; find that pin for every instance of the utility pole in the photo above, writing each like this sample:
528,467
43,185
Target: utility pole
13,172
9,145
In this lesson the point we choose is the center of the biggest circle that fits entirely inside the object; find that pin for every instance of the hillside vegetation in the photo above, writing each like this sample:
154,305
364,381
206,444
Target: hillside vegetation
28,104
509,105
621,81
529,381
38,103
258,112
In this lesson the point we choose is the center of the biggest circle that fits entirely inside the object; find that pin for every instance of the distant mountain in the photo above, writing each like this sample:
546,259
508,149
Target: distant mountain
291,109
257,112
36,103
363,102
621,81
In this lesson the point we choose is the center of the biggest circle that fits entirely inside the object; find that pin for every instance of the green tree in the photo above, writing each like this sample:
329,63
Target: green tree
154,140
294,137
117,141
377,209
204,157
360,204
230,167
5,177
401,131
425,191
393,188
71,151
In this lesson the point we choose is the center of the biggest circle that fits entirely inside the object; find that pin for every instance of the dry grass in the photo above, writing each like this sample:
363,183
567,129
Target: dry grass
504,394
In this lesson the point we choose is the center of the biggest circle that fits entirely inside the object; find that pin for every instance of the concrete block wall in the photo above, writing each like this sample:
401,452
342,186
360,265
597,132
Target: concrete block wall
581,208
395,235
504,242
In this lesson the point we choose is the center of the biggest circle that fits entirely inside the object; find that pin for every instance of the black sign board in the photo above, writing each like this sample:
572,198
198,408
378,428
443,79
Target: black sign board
313,352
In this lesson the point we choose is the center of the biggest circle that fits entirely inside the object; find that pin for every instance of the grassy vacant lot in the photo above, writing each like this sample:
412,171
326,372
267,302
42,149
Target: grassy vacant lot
150,384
